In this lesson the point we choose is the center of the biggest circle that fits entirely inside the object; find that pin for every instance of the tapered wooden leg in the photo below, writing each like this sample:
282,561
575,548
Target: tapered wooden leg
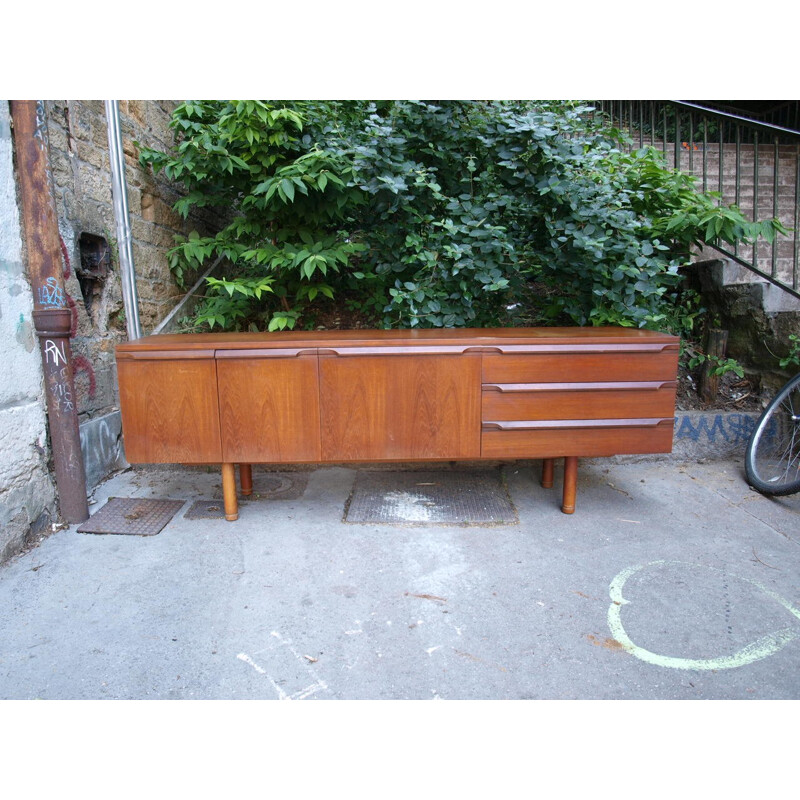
246,479
570,484
229,492
547,473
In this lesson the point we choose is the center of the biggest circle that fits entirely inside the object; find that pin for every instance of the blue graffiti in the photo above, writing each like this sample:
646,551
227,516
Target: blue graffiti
51,295
732,428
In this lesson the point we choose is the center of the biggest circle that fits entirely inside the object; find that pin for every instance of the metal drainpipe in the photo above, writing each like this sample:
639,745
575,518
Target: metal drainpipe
52,317
119,192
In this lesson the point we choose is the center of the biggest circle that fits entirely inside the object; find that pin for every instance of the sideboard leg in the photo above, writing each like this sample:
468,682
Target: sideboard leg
570,484
246,479
547,473
229,492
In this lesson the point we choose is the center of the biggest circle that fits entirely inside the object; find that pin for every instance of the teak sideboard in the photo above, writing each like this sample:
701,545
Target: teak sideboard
397,395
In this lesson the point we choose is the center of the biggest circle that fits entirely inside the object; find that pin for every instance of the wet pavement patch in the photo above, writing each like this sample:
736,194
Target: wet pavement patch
133,516
430,498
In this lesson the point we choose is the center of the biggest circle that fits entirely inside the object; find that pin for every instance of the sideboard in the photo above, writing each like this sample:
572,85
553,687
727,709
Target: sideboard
396,395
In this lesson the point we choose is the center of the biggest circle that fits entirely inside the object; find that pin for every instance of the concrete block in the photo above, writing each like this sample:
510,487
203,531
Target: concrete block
775,300
102,448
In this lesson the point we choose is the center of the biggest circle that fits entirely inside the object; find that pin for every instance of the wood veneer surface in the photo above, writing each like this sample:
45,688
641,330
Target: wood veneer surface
269,409
405,407
170,411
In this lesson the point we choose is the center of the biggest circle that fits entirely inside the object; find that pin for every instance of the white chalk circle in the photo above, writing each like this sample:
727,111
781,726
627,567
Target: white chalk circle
761,648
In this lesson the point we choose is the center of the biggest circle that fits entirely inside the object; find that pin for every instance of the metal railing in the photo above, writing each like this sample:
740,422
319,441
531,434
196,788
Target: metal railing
753,165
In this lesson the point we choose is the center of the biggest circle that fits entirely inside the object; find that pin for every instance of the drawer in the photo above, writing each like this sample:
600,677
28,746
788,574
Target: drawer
539,401
572,367
602,438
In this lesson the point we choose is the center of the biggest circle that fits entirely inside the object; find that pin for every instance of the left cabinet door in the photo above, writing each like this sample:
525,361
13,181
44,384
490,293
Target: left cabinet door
169,408
269,406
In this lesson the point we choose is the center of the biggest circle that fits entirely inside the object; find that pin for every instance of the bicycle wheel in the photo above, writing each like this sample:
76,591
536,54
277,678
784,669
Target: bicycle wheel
772,462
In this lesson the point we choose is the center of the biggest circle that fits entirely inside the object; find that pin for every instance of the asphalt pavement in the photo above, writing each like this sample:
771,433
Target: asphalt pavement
671,581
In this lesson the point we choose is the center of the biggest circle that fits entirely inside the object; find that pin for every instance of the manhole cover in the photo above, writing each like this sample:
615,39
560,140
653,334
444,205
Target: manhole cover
132,515
276,486
430,498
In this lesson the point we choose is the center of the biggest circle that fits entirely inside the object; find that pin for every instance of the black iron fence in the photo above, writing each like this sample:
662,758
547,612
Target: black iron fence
754,165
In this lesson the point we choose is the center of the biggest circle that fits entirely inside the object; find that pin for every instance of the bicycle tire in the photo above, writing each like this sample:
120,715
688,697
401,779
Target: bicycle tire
772,461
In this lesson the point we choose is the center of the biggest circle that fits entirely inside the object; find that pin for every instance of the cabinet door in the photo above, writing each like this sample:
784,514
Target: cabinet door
269,406
169,408
394,406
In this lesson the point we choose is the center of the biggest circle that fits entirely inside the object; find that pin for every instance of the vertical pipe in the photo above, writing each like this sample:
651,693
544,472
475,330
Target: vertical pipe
691,142
52,317
119,193
677,139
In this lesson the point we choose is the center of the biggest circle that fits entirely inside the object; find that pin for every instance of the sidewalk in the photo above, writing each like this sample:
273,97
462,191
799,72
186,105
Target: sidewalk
671,581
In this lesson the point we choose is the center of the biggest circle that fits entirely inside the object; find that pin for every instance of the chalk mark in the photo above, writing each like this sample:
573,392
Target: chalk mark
755,651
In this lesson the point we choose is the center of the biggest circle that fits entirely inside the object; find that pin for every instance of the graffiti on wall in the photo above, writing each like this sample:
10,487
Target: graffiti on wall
718,429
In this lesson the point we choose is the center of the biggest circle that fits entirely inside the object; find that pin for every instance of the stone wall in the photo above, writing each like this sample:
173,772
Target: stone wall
80,164
27,492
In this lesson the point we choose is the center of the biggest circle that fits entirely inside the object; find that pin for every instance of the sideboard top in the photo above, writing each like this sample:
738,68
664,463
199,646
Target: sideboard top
463,337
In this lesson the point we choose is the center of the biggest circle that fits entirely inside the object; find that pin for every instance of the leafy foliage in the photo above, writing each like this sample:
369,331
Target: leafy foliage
435,214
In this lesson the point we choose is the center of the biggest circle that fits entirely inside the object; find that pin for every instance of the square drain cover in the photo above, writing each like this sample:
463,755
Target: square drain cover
430,498
132,515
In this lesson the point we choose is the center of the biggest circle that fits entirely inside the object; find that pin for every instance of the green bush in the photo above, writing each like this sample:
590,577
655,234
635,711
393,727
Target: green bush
434,214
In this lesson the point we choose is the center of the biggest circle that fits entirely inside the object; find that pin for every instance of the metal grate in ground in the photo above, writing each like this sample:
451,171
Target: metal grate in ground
278,485
132,515
431,498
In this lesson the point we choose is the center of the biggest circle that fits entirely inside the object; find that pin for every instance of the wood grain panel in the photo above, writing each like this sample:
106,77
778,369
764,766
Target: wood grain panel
269,409
169,411
580,367
617,403
585,442
402,407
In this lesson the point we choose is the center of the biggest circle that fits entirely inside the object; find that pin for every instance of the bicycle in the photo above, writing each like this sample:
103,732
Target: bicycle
772,461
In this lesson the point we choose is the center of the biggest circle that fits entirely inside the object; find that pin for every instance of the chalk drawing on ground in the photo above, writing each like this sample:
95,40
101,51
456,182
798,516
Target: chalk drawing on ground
762,647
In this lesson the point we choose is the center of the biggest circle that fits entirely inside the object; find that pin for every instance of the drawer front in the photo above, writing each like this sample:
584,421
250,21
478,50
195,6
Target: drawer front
577,401
655,437
571,367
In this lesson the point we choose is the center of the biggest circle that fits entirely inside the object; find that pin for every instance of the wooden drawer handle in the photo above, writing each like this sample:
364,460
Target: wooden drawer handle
532,425
163,355
265,352
572,348
410,350
620,386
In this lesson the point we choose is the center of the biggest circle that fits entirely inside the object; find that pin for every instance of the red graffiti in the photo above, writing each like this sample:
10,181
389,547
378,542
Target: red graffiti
67,265
81,364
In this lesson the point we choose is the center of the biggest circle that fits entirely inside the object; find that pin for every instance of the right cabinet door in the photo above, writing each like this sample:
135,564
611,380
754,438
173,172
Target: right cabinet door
399,406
